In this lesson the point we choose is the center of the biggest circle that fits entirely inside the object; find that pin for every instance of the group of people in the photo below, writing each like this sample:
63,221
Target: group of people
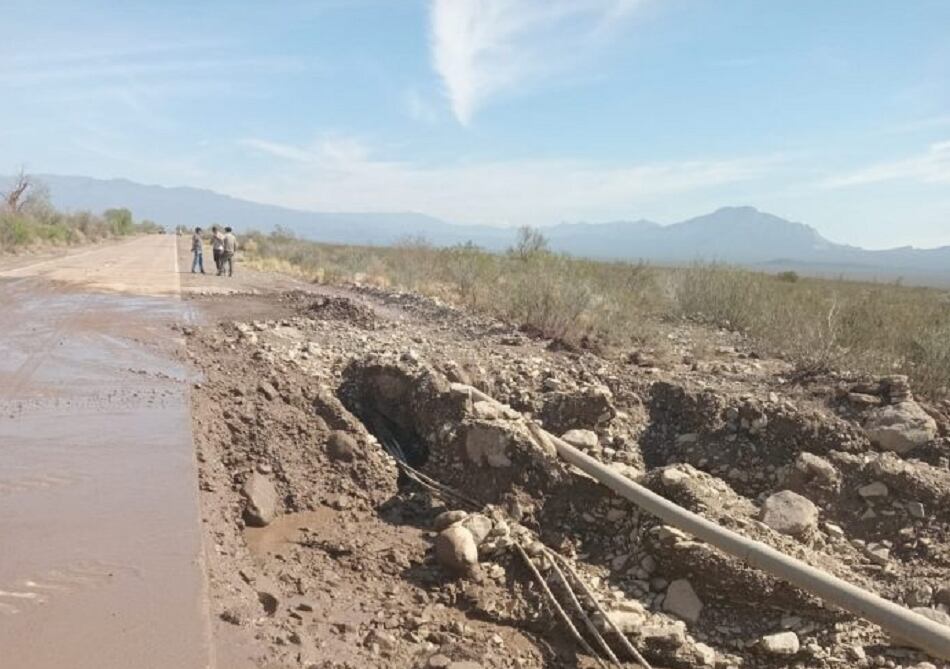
223,246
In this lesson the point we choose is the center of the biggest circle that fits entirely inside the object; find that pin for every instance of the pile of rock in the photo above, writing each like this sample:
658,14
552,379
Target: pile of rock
464,537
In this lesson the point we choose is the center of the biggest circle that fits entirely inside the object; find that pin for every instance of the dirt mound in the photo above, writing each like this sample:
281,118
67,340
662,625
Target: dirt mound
343,309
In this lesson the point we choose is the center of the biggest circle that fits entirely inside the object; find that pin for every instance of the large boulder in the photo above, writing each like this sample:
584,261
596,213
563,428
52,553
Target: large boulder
900,427
261,500
790,513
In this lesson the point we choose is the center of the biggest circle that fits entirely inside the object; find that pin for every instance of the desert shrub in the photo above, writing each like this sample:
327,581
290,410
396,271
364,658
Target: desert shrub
787,277
816,324
120,220
549,296
529,242
38,224
821,325
472,273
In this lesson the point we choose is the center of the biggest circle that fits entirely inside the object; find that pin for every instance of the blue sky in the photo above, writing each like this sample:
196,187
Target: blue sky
504,112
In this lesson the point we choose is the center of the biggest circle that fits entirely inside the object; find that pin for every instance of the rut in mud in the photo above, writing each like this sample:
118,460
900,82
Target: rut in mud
297,412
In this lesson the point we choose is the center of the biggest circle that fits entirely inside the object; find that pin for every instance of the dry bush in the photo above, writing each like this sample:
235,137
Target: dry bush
28,220
821,325
816,324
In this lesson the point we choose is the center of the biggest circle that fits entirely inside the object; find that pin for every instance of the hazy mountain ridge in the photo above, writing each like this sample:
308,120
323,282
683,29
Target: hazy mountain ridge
740,235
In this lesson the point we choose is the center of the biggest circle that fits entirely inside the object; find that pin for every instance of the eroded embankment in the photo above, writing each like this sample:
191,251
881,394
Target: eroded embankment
297,414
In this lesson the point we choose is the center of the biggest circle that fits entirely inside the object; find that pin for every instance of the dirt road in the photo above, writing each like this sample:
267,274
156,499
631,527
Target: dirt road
101,560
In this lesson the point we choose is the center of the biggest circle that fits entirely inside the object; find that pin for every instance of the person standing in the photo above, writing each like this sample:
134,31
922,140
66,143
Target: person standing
197,260
217,247
230,246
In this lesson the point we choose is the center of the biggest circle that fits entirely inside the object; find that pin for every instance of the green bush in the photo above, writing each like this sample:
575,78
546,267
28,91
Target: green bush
41,225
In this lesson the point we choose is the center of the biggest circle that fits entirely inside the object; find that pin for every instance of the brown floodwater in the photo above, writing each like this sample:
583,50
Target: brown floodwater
100,542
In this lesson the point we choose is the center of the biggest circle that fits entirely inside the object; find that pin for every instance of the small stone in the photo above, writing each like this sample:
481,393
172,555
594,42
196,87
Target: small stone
267,390
664,636
862,400
439,661
261,500
479,525
341,446
878,553
809,470
790,513
916,510
648,562
447,518
585,440
783,643
456,549
383,640
705,655
874,490
834,530
681,601
919,595
628,622
486,410
856,652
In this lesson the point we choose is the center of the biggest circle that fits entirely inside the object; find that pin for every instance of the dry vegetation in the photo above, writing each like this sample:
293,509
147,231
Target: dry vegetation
28,220
818,324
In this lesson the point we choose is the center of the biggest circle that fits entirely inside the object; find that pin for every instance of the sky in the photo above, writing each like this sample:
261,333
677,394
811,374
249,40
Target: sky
501,112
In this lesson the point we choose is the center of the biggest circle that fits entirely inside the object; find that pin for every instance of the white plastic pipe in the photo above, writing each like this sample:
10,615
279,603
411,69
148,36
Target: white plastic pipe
898,621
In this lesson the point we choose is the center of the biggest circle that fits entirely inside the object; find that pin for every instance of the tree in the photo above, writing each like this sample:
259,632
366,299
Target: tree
17,196
119,219
529,242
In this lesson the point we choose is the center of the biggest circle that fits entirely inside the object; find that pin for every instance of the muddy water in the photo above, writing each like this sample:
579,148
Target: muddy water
100,546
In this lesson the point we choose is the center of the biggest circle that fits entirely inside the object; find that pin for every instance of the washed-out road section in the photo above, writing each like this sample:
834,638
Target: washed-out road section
100,544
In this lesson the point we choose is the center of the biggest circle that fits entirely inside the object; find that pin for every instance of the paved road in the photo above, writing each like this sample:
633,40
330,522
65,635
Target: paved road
100,544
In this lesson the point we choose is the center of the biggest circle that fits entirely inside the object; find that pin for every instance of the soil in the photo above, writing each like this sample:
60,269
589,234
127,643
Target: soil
310,389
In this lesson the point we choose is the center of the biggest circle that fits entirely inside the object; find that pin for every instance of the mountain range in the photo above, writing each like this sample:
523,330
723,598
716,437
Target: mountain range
740,235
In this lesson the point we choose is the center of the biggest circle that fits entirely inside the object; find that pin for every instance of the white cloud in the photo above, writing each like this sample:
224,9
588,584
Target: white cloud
930,167
482,48
342,174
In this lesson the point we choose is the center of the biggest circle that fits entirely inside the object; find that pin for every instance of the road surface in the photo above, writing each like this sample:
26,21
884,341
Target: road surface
100,544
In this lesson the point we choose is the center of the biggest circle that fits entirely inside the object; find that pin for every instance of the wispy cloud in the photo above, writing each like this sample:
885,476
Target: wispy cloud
337,173
481,48
929,167
158,62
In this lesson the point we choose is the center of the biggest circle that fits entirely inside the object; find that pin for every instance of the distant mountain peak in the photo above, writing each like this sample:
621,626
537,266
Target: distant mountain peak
735,234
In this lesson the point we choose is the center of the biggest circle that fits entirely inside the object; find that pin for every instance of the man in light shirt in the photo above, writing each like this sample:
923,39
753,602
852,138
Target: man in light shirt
227,257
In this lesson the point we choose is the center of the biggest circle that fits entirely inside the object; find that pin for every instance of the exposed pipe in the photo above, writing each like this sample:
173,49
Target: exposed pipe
899,622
